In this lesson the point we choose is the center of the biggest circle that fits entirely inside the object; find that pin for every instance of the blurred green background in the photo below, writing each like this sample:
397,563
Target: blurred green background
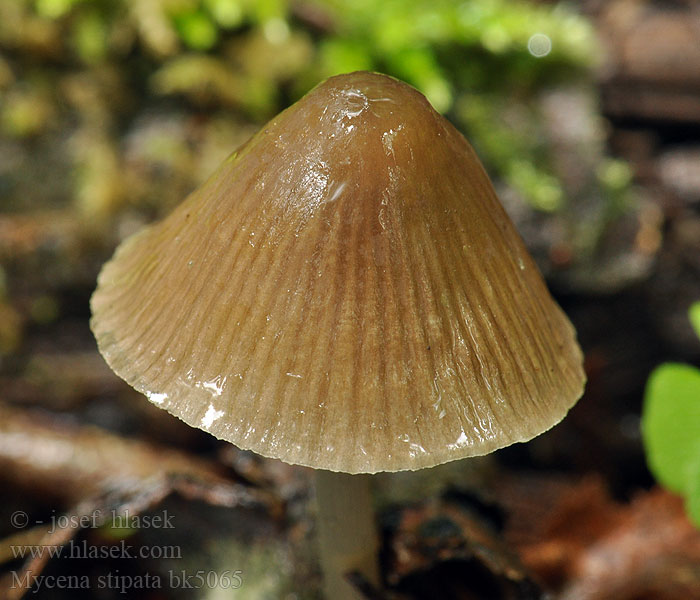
111,111
139,86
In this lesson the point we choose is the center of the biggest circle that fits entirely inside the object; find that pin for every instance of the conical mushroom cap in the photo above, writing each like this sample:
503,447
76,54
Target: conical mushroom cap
345,292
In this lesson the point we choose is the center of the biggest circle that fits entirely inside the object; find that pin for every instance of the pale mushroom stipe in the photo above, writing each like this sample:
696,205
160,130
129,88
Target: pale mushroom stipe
345,293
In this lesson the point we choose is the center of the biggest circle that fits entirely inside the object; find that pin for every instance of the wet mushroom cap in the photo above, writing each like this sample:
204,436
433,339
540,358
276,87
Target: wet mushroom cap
345,292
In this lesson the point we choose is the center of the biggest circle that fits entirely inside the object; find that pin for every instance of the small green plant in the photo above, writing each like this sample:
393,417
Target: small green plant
671,427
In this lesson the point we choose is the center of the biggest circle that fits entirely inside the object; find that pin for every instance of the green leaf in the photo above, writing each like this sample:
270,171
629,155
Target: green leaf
196,29
694,316
344,56
90,37
692,501
671,424
54,9
227,13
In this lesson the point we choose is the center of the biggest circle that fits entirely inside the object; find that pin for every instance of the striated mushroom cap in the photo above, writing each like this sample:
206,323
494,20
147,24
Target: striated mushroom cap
346,293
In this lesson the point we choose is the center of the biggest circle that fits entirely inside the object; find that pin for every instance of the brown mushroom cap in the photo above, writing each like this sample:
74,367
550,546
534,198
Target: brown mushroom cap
345,292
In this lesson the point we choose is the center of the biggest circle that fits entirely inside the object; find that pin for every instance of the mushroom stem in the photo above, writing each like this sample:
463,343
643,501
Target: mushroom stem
346,531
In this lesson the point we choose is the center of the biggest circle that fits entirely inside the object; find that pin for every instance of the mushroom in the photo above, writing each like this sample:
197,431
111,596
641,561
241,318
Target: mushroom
345,292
